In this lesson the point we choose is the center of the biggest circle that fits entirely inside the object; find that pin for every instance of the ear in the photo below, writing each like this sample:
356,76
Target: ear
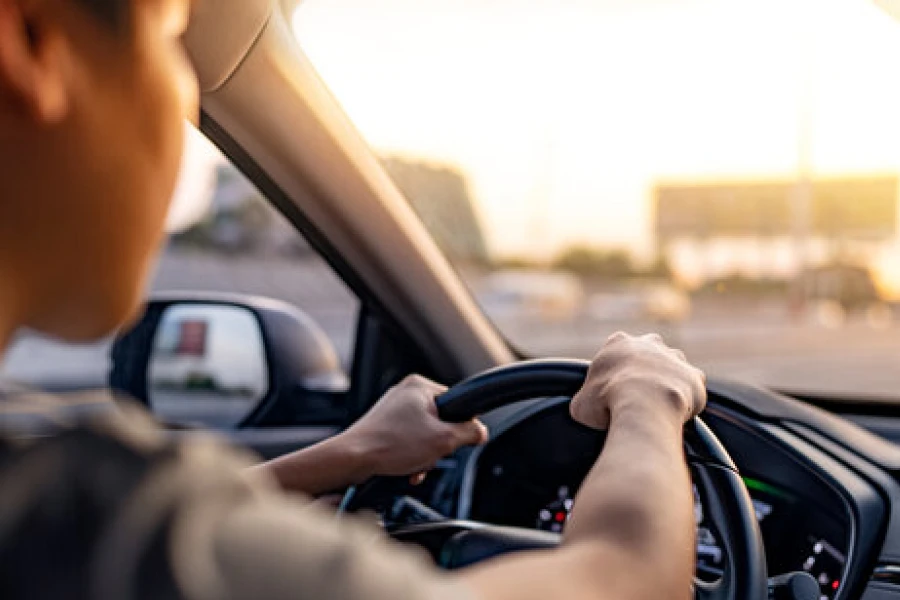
32,58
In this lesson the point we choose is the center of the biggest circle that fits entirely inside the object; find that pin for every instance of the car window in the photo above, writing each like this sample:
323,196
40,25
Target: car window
724,172
224,237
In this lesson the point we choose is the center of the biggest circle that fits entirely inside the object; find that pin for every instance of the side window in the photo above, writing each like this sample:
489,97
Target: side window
223,237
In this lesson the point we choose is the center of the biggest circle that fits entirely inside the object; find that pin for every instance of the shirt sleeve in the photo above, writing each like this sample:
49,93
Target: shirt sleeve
112,509
250,541
304,555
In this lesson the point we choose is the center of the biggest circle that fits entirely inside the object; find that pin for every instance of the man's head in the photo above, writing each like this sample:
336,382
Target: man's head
93,98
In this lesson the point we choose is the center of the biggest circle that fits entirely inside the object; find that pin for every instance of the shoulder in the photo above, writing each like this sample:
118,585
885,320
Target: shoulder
109,507
91,497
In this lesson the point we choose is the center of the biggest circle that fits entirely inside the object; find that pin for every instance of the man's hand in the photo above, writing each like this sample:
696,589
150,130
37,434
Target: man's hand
400,435
633,513
630,371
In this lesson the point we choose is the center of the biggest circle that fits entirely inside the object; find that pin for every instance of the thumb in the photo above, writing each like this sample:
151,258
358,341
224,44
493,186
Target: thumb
590,413
471,433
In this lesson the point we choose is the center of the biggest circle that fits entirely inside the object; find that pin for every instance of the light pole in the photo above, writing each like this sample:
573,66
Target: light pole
802,192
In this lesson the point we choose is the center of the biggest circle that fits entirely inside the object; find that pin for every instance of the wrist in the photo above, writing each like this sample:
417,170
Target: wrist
649,401
358,456
327,466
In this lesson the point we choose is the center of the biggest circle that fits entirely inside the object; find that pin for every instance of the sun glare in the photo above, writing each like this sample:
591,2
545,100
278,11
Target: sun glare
557,110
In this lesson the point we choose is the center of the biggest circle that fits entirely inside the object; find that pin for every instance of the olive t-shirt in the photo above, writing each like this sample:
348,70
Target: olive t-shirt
96,502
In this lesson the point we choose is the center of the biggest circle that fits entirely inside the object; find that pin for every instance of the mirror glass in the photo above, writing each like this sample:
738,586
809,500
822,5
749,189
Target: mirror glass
208,365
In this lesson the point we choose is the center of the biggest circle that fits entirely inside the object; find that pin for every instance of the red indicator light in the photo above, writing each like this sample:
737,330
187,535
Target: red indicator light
835,584
560,517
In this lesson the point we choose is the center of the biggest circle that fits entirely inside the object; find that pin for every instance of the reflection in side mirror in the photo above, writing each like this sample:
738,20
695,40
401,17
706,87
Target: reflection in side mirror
207,365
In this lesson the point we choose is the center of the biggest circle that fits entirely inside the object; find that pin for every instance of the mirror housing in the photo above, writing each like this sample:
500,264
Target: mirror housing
296,380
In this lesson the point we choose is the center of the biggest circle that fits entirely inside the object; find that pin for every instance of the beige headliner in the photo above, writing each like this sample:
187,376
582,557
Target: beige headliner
220,35
262,90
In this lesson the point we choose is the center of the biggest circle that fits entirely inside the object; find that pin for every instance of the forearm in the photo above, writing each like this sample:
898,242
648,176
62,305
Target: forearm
633,516
638,499
402,435
325,467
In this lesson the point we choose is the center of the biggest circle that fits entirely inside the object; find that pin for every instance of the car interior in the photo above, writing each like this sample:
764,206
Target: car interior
786,481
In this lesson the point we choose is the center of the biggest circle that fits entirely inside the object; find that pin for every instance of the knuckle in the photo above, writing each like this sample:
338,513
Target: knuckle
479,431
618,336
575,410
603,360
416,381
575,405
597,363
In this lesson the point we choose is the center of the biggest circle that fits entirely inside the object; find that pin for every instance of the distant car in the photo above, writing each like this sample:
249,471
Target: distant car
531,294
657,302
850,286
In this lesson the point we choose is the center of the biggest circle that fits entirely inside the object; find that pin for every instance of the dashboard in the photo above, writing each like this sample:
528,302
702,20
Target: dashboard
528,475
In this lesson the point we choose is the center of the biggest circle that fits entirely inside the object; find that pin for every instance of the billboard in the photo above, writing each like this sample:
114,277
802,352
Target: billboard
184,337
192,338
858,208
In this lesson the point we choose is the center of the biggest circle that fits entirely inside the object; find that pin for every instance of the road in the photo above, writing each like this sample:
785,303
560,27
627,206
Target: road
754,345
852,361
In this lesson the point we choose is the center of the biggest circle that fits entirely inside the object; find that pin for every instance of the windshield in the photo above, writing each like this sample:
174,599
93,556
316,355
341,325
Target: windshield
725,173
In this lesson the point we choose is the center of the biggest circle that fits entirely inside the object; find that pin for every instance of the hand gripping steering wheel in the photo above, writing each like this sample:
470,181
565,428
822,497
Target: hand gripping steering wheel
456,543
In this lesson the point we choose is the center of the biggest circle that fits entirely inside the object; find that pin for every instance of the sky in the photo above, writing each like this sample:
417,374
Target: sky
564,113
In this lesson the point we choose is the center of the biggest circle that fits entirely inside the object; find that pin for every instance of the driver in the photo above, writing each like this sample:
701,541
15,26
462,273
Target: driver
93,95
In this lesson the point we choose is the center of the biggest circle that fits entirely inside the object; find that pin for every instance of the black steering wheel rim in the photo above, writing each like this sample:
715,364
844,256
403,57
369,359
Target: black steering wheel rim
727,501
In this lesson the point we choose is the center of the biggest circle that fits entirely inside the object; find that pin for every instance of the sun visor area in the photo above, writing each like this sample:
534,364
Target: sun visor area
220,34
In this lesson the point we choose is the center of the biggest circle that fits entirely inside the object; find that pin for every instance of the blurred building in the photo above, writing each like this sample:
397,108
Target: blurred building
776,228
240,220
440,196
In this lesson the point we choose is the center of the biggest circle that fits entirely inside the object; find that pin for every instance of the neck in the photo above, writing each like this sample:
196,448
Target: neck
6,334
10,317
7,329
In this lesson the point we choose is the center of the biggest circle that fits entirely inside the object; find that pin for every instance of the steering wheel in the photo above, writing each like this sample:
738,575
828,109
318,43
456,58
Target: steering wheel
456,543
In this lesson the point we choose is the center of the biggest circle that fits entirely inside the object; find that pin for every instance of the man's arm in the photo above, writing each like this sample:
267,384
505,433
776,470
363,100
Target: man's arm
631,533
401,435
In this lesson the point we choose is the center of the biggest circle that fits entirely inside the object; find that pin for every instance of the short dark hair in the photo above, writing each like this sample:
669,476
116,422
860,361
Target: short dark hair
114,13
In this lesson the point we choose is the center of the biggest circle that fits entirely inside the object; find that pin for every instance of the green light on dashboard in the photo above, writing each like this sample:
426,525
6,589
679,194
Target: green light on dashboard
762,486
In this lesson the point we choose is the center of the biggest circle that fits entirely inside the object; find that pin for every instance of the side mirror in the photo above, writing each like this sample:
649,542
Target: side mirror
230,361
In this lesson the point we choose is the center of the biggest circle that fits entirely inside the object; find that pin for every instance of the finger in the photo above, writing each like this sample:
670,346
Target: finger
589,414
471,433
431,389
432,395
418,381
618,336
330,501
700,398
602,367
654,338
